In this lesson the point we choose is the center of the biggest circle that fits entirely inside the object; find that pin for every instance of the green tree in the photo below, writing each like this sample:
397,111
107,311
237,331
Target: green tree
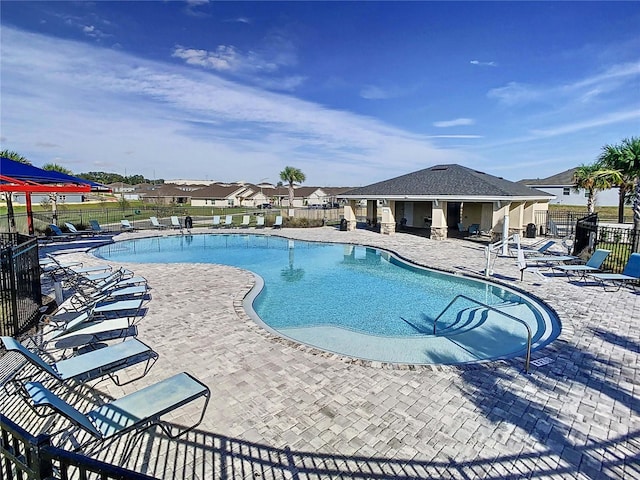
54,167
631,160
292,175
16,157
593,178
613,157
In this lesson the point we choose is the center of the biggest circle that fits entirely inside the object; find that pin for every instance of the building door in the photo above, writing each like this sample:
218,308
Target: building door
453,214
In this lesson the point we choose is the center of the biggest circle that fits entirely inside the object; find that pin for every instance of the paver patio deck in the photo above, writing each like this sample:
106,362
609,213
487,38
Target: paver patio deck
283,411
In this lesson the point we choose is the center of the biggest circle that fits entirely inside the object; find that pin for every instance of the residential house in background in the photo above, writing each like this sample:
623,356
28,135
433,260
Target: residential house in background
226,195
166,195
561,186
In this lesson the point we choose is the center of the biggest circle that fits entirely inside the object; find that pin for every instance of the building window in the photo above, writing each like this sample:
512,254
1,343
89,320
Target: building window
566,191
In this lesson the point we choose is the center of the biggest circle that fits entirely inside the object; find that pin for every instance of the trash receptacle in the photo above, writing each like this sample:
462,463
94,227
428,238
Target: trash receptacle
531,230
188,222
343,225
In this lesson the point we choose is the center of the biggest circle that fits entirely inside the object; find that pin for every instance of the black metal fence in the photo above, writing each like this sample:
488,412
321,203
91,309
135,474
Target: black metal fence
27,457
20,289
621,241
557,223
109,217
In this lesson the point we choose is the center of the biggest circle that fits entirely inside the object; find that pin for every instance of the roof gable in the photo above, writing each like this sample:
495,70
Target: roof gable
562,179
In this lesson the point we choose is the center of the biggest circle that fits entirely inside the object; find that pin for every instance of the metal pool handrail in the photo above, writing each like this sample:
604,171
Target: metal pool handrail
529,335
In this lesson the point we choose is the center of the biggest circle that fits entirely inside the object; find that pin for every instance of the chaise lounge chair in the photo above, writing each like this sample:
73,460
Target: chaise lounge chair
126,226
135,412
72,229
156,224
593,265
216,221
629,276
58,234
175,222
278,222
259,222
88,366
228,221
95,226
246,219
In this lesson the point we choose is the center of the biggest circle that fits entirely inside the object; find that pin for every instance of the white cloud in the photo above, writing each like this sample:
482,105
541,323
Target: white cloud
606,119
260,68
99,104
371,92
454,123
483,64
582,90
514,93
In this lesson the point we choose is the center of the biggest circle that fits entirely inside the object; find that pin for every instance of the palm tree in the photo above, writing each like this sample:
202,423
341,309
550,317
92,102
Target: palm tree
54,167
593,178
292,175
613,157
631,160
16,157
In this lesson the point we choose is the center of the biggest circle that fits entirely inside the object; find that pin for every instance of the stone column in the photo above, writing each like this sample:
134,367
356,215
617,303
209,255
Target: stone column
350,215
439,227
388,224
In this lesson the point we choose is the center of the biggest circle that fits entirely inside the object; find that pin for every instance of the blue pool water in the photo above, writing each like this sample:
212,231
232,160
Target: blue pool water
360,301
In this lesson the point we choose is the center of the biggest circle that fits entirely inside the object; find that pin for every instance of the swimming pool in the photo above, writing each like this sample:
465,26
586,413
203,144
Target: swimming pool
361,301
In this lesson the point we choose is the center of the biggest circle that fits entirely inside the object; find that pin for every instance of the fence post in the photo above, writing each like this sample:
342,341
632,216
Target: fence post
39,463
635,241
13,289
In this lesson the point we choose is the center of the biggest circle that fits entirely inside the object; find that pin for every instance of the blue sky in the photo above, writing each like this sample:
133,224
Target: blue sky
351,93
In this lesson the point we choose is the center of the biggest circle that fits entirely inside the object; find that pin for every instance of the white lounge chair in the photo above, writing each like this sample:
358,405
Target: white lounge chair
156,224
216,221
125,225
228,221
246,219
175,222
278,222
259,222
72,228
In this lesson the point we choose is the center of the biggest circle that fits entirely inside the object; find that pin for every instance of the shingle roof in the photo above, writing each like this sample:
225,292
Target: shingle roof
216,190
562,179
447,180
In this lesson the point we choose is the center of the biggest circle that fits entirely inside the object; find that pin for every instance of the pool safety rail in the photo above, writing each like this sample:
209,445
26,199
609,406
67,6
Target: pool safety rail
493,309
495,247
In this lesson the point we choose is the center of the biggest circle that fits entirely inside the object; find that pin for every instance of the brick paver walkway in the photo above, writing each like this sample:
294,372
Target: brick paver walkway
283,411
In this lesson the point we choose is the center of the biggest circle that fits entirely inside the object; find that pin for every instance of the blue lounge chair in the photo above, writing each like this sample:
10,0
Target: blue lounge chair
278,222
88,366
95,226
135,412
216,221
593,265
156,224
59,234
629,276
